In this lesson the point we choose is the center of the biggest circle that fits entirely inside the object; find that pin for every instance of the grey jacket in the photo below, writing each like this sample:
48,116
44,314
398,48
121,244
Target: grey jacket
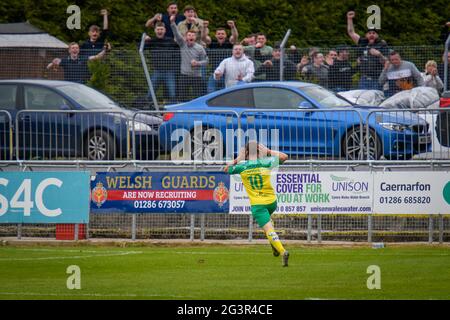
189,53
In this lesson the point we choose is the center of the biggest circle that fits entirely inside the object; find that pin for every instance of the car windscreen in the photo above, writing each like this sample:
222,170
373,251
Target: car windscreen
88,97
324,97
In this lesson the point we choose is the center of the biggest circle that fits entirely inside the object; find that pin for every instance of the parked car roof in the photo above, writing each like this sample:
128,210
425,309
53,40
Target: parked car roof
49,83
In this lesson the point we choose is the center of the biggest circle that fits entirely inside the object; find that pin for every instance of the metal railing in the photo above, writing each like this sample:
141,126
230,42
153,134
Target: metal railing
343,136
124,73
54,135
306,227
6,136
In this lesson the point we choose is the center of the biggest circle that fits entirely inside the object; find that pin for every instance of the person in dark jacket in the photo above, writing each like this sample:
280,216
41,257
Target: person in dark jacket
271,68
165,61
341,72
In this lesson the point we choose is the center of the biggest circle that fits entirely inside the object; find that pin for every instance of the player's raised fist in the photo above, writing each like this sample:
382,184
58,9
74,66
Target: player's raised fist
350,14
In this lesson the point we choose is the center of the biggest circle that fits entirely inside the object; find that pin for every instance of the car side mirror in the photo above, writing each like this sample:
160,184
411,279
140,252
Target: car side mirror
305,105
64,107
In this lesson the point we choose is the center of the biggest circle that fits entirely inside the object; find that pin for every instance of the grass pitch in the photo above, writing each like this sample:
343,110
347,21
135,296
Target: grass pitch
224,272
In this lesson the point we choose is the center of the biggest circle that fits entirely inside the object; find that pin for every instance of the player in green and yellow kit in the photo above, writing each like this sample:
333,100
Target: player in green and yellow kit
255,172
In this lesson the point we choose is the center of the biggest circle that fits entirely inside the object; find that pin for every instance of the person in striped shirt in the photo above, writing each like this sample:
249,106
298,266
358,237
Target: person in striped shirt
254,164
237,68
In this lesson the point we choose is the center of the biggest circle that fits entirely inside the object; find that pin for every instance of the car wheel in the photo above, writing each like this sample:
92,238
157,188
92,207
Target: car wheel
99,146
206,144
352,145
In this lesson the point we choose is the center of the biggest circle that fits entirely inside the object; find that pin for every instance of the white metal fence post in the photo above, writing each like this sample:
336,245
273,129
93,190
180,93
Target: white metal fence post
250,228
133,227
309,228
369,227
319,228
192,228
430,228
202,227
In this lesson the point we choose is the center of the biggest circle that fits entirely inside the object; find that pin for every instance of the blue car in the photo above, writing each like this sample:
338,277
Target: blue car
301,119
64,120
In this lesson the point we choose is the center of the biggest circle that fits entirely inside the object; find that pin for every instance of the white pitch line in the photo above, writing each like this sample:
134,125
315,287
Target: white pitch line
130,295
73,257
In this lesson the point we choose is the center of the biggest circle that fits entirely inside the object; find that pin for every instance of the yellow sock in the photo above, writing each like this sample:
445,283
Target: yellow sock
275,241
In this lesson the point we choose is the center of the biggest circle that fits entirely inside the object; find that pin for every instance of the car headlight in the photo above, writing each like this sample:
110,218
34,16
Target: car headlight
138,126
394,126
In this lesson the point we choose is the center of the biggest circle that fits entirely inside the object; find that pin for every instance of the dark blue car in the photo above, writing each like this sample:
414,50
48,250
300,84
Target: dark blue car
301,119
65,120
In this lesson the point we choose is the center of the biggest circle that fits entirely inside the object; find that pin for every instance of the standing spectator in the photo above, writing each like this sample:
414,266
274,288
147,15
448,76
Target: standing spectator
236,68
259,53
194,24
271,68
75,66
400,75
317,72
172,10
431,77
249,40
330,57
307,59
341,72
219,49
294,54
441,69
164,55
372,52
193,56
94,45
263,52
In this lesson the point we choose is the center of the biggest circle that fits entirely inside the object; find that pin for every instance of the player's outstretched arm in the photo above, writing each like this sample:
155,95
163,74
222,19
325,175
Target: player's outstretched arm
239,158
266,151
282,156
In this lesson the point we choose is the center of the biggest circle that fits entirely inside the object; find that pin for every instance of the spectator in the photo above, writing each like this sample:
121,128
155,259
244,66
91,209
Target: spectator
259,51
250,40
372,51
193,56
330,57
341,72
399,75
94,45
317,71
237,68
441,69
194,24
263,52
75,66
293,54
271,68
164,55
219,49
431,77
307,59
172,10
445,32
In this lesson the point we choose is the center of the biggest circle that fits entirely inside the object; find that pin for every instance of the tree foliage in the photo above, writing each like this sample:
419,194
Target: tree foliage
404,22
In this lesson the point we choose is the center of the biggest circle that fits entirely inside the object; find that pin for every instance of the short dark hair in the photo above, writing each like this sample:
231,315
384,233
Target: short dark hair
260,34
160,24
315,54
393,53
221,29
188,8
94,27
172,3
